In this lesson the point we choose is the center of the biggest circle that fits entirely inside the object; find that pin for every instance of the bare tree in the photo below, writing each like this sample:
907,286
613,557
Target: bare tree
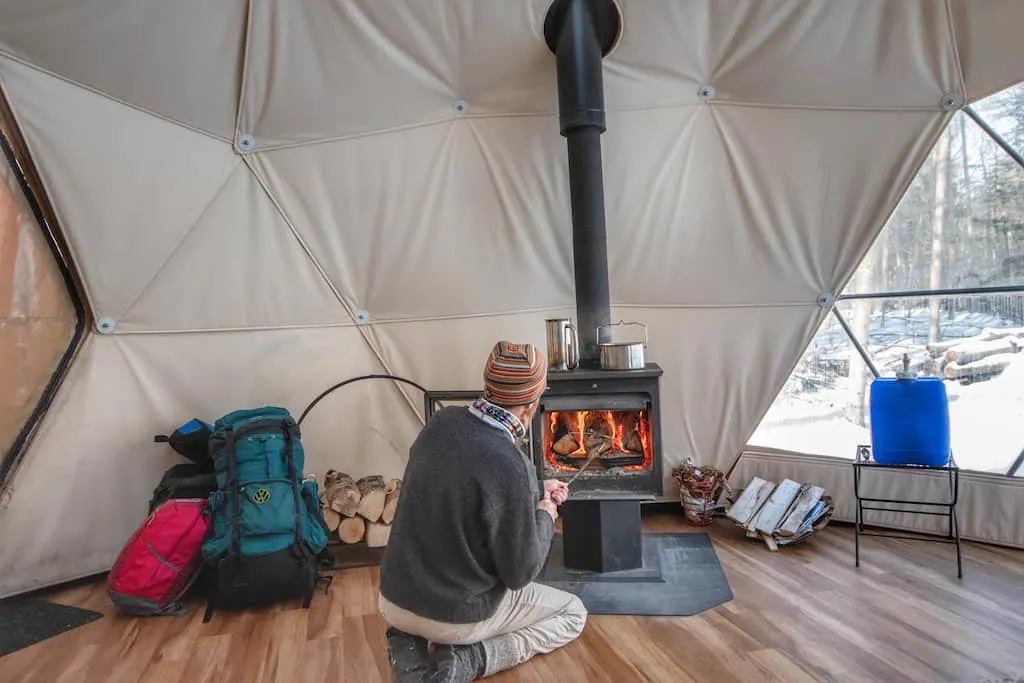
938,229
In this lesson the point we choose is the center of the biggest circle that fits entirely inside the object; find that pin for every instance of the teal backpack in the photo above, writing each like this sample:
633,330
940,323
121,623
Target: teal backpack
266,530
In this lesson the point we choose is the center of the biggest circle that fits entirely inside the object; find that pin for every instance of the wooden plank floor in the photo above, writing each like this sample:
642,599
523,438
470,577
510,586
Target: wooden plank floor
801,614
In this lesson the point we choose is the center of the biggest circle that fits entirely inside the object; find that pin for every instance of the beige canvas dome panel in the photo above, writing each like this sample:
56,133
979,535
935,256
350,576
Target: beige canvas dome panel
180,60
240,183
987,38
126,186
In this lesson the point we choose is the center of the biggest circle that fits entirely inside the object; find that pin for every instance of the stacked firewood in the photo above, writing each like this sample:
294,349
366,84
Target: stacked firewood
360,510
965,359
781,514
981,357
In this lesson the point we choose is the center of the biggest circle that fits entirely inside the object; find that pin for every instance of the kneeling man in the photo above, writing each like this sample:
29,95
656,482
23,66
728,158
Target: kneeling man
471,533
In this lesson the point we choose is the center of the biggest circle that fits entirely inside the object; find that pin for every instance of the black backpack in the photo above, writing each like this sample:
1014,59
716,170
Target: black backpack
186,480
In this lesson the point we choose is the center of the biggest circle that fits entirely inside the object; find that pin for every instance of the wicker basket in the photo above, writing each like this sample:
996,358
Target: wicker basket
699,489
696,511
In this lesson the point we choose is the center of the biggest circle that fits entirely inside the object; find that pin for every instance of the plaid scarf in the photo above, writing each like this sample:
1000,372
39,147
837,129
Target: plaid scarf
497,416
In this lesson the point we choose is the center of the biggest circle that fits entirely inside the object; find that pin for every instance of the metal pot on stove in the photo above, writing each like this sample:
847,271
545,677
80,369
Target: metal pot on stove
623,355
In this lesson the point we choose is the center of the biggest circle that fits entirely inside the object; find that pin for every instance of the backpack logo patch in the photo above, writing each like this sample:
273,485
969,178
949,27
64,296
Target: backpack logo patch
261,495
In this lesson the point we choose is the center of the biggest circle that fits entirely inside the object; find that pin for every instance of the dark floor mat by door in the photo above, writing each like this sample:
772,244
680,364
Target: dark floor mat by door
27,621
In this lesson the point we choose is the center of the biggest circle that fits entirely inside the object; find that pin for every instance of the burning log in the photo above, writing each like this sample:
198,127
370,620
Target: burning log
633,443
597,430
566,444
599,448
606,438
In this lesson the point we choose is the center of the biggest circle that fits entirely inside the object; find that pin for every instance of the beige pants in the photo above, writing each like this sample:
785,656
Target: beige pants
534,620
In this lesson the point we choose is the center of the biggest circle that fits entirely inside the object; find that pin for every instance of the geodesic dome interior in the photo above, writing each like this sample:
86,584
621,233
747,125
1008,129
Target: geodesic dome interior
261,199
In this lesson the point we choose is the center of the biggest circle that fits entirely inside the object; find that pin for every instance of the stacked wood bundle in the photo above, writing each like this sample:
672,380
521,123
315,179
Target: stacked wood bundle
699,489
359,510
702,482
781,514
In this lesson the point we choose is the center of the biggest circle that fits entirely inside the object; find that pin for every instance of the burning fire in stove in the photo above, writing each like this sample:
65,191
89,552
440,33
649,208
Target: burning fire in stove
619,438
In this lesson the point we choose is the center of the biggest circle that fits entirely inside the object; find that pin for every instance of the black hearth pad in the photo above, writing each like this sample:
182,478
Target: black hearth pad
27,621
681,576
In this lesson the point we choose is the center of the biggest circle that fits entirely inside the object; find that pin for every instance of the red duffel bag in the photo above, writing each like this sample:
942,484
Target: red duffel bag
161,560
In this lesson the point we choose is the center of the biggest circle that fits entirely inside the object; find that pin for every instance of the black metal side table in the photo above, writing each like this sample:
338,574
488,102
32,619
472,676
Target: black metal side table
864,460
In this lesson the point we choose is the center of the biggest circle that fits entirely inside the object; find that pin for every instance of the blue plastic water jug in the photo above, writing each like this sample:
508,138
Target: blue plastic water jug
909,421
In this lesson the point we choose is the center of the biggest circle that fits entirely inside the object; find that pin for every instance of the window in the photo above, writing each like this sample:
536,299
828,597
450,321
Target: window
38,316
958,230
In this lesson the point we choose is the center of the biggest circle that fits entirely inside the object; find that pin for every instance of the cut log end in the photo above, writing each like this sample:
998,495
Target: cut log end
344,499
359,511
372,497
371,506
387,515
332,519
371,483
352,530
377,535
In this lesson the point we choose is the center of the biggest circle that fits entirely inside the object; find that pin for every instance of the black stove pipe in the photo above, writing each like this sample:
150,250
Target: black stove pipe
580,33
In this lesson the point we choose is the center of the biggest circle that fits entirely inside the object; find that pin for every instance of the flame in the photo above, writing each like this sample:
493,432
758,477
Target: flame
561,422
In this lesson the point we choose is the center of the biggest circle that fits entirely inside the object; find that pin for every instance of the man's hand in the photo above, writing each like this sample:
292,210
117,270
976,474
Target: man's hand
547,506
556,491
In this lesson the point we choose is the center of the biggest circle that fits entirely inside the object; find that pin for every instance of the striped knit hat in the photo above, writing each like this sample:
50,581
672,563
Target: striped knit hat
515,374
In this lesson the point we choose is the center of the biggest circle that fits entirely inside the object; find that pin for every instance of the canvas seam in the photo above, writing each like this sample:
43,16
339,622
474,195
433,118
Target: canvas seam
88,296
111,98
955,47
184,238
245,68
323,274
384,322
681,104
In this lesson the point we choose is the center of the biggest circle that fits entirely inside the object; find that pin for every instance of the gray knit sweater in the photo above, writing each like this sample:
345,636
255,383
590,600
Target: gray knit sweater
467,527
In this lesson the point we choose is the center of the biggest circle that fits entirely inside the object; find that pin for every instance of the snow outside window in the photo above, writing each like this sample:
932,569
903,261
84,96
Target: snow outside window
960,225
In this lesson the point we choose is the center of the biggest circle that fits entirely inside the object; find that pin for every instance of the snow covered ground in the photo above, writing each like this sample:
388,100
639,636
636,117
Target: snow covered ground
814,413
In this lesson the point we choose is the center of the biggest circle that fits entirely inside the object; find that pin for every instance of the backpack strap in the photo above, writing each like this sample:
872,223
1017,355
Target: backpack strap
232,489
289,443
291,435
263,424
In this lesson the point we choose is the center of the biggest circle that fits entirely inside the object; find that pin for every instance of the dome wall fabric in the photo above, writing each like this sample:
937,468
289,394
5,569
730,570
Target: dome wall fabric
239,182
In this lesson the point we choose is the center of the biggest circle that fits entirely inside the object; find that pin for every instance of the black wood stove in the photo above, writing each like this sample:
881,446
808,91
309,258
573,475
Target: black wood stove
601,429
602,425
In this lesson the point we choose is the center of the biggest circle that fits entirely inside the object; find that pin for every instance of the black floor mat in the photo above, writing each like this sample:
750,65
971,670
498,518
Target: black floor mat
681,576
27,621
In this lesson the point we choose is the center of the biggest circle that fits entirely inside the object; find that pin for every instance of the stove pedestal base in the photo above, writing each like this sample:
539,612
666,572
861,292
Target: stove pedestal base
601,533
